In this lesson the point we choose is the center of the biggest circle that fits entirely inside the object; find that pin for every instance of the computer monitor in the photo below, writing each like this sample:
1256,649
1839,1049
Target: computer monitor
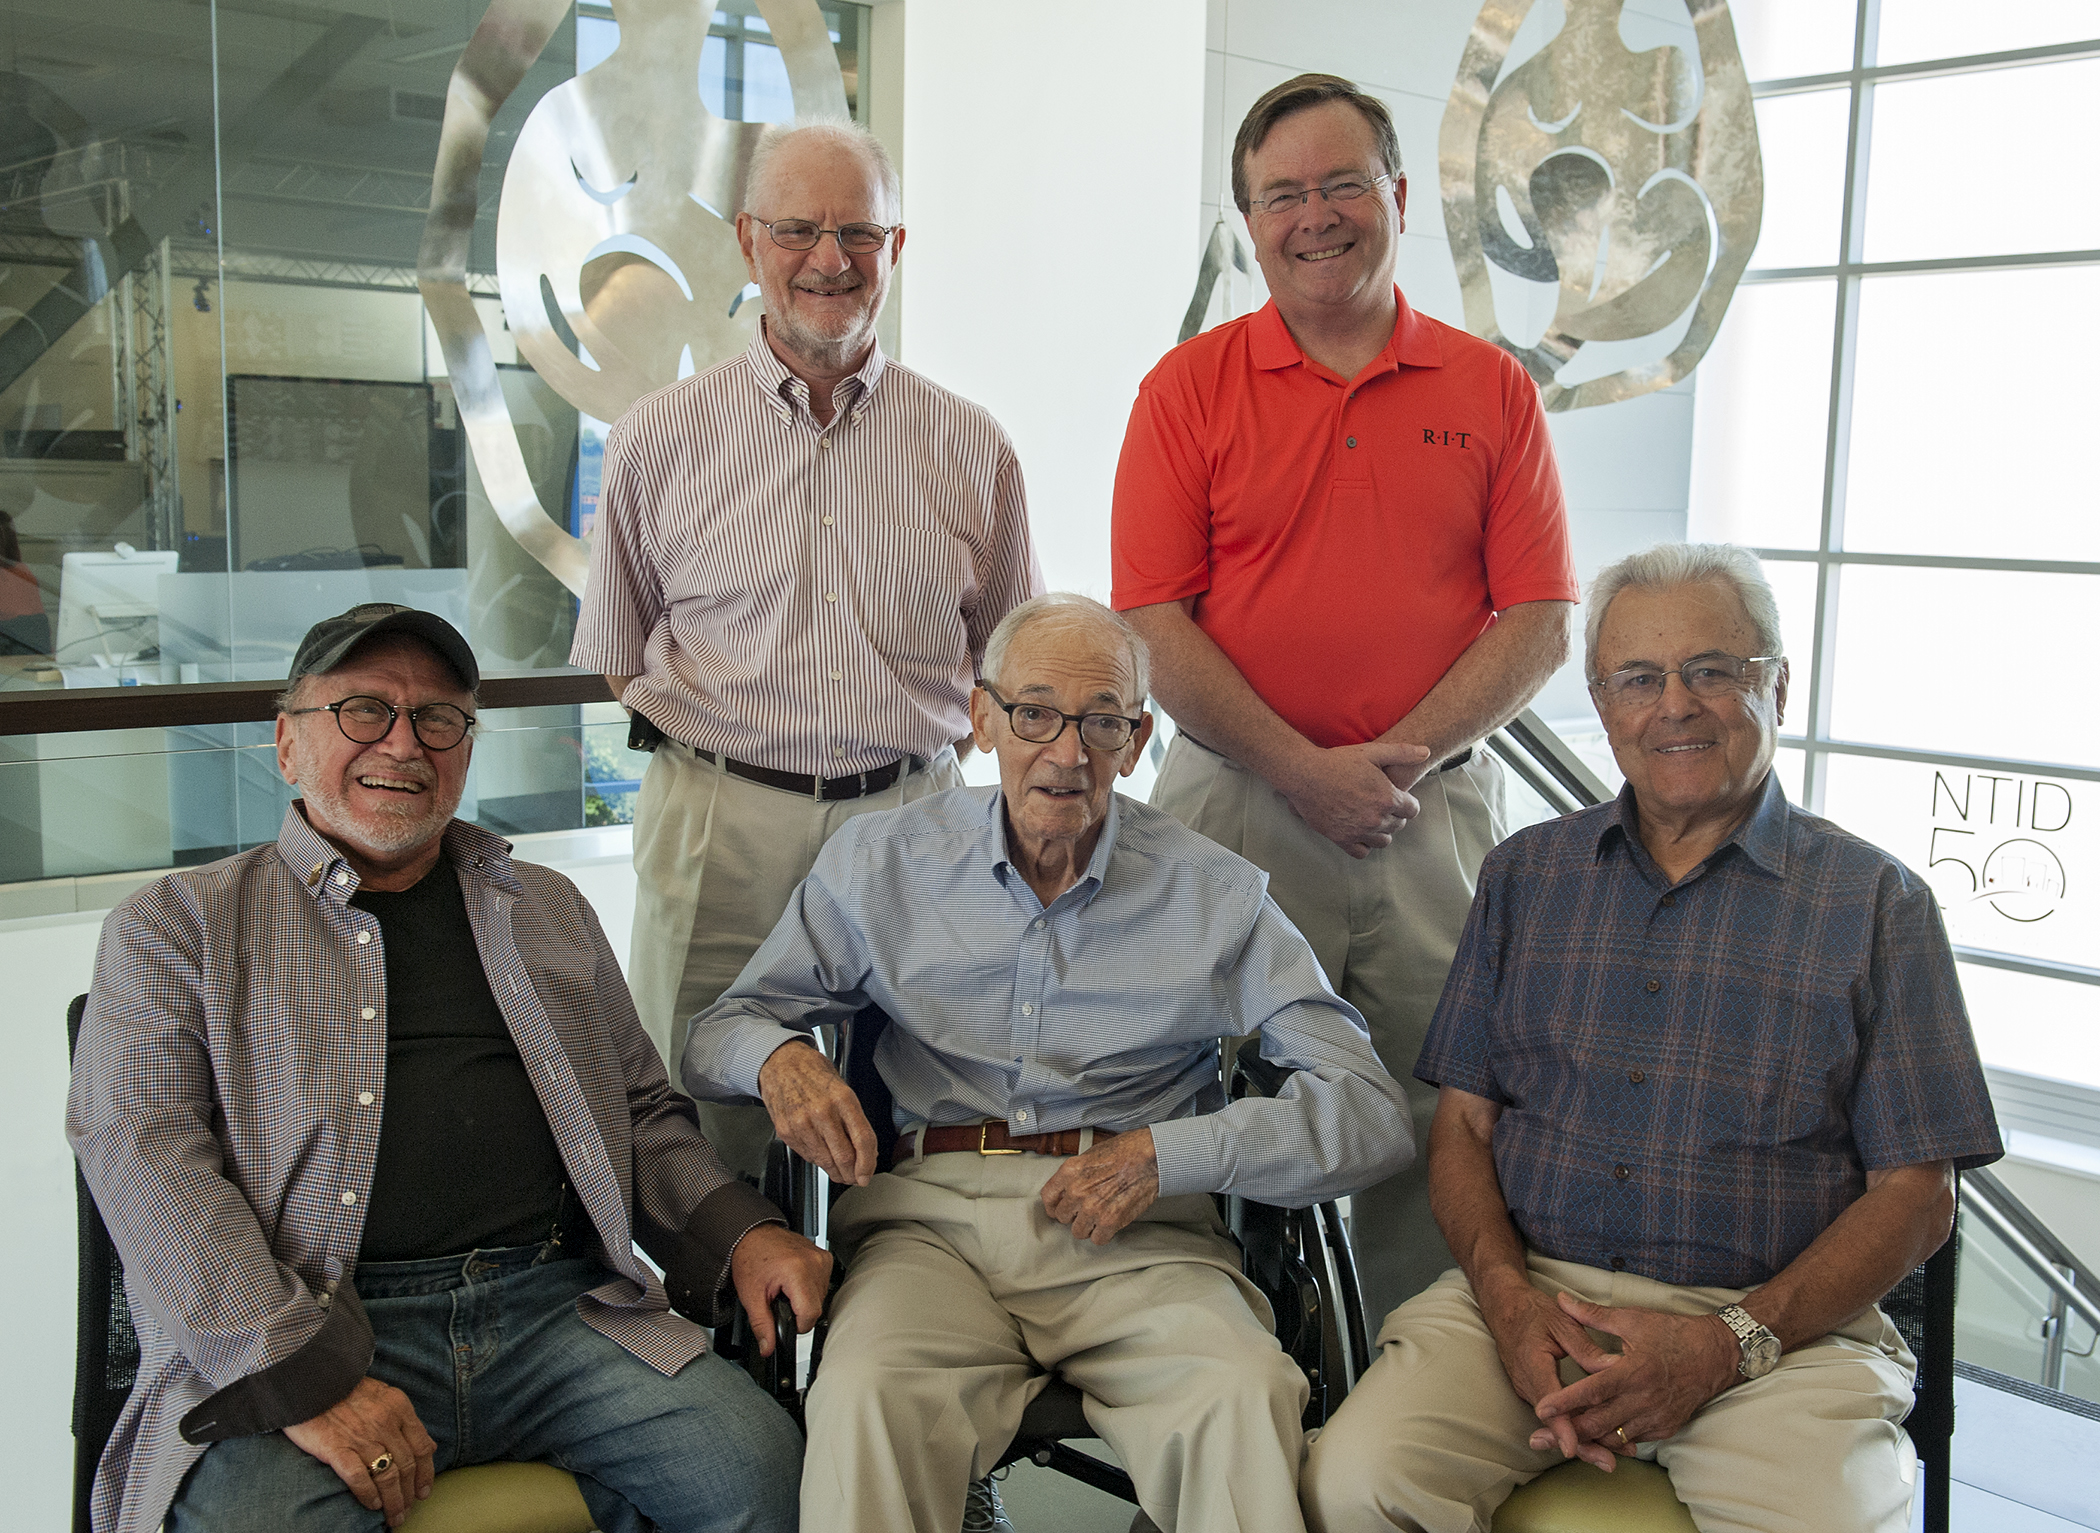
109,604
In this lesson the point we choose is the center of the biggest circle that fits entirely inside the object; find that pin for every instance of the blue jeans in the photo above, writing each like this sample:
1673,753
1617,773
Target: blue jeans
490,1350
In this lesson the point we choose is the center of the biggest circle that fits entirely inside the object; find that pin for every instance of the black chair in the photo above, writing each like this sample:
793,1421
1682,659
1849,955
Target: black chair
1298,1258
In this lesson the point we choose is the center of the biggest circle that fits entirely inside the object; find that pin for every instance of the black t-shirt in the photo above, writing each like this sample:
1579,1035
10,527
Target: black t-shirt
466,1159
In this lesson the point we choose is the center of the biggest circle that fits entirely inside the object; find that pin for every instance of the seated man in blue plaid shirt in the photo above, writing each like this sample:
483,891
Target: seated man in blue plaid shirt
1059,964
1705,1082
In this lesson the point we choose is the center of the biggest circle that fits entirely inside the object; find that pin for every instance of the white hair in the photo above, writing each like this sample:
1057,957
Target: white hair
833,133
1069,611
1681,564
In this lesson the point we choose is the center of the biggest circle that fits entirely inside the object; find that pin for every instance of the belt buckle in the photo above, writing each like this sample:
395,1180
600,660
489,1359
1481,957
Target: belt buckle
983,1130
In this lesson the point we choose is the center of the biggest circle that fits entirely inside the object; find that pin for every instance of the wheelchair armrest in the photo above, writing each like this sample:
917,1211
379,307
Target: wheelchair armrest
1262,1076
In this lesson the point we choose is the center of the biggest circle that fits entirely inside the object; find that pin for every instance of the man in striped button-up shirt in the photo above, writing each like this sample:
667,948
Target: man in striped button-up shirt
800,555
373,1095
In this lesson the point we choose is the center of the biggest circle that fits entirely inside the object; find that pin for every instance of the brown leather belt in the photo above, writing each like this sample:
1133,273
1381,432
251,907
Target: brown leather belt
1442,766
830,789
993,1139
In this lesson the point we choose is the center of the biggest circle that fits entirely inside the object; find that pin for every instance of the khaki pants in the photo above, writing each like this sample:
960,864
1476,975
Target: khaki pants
960,1291
1433,1439
716,859
1384,929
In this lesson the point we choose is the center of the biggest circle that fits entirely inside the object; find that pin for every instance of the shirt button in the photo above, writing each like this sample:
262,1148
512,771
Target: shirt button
824,441
1021,1116
834,675
364,1099
1620,1173
341,877
363,938
1027,1010
1352,441
1039,924
827,521
1618,1264
831,596
1669,899
1636,1076
349,1198
1654,985
368,1013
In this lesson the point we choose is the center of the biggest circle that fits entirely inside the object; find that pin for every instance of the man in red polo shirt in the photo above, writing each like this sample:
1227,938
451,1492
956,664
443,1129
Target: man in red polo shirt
1339,525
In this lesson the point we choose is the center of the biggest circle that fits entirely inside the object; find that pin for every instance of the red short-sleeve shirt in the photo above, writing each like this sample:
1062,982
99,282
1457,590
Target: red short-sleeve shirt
1345,541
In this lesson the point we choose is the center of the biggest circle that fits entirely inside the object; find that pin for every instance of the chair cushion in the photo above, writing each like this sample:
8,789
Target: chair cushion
1578,1498
502,1498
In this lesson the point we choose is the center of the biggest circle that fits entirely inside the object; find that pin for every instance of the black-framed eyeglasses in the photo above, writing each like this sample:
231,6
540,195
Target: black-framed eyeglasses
368,720
1333,191
1716,675
801,234
1039,725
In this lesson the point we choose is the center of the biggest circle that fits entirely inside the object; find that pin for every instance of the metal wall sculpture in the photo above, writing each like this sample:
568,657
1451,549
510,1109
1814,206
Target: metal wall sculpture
616,251
1617,192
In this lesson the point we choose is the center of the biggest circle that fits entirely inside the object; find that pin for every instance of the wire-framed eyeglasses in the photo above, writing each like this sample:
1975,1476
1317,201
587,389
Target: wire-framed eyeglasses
1040,725
1333,191
801,234
1716,675
368,720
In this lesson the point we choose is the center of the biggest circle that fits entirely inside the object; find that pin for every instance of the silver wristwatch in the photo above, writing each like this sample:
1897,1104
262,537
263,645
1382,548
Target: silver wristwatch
1760,1346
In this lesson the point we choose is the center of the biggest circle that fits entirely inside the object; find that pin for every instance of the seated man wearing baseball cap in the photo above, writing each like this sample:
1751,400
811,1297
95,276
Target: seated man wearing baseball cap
375,1131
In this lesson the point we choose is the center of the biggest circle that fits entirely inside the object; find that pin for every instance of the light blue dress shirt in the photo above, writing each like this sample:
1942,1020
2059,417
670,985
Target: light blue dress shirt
1102,1010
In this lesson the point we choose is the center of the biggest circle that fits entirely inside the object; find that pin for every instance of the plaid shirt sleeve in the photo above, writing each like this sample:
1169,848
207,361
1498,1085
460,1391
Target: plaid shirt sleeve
1459,1049
1920,1093
140,1117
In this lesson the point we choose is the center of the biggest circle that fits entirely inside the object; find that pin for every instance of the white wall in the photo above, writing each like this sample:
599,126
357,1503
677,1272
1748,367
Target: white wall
1050,163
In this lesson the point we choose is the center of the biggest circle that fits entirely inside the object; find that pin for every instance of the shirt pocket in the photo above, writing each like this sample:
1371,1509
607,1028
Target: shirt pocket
1778,1067
913,585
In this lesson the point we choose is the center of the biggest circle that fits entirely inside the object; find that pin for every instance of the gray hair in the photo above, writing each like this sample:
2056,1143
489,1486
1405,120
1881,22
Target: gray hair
849,137
1681,564
1068,611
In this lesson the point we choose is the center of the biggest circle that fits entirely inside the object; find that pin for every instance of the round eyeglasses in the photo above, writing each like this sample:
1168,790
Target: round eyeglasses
1333,191
801,234
1039,725
1640,686
368,720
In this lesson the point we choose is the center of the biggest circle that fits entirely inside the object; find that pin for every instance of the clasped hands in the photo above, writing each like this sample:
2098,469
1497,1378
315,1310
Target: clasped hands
816,1115
1668,1366
1356,795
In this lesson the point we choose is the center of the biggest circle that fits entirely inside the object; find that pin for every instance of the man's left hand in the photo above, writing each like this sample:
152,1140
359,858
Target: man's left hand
1100,1192
768,1261
1671,1365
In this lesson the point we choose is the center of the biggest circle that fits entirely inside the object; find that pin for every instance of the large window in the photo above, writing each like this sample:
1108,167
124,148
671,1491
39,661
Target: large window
224,413
1897,417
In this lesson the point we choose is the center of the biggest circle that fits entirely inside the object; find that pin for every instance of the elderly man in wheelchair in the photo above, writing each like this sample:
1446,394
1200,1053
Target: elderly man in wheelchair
1058,964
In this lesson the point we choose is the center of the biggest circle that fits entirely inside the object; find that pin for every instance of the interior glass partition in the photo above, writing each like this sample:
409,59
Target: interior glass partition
224,413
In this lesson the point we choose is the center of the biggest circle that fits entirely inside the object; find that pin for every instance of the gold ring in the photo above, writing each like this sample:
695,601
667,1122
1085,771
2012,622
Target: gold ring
381,1464
1624,1441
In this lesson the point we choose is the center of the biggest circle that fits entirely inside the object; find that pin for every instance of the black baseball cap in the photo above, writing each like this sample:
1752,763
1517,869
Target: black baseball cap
328,642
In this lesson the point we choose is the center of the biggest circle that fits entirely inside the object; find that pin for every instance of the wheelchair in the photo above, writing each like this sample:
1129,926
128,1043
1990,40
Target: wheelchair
1298,1258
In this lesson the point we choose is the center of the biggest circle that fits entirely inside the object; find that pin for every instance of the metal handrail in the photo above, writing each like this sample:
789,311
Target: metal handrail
2034,1243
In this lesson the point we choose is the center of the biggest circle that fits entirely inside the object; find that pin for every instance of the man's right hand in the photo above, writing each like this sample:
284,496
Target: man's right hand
1345,794
373,1421
816,1114
1532,1334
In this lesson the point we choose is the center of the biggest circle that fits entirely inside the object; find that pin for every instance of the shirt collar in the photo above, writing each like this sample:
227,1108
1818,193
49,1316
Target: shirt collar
1097,865
1414,342
853,395
1762,836
314,859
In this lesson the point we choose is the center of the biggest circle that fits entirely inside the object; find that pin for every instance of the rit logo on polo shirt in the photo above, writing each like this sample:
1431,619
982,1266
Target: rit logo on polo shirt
1431,437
